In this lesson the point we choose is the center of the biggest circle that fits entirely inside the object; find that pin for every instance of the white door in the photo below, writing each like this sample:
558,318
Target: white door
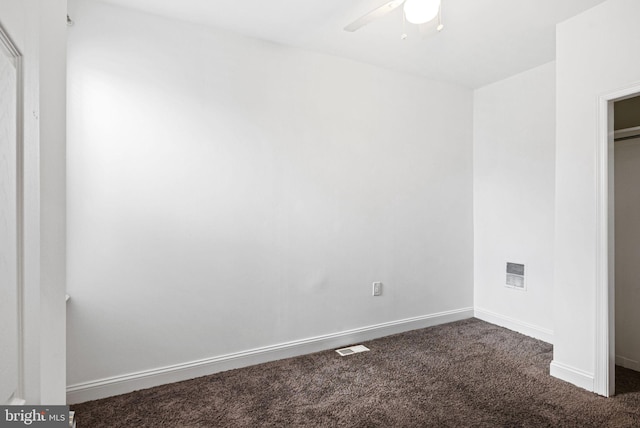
9,345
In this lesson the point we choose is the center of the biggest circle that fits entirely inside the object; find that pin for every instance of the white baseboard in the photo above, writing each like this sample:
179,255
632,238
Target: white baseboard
627,363
572,375
122,384
527,329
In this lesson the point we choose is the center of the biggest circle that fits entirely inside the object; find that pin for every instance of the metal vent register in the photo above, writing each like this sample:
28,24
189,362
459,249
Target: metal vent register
352,350
515,275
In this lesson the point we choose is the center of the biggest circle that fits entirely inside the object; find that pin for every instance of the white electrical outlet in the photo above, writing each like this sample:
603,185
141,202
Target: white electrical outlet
377,288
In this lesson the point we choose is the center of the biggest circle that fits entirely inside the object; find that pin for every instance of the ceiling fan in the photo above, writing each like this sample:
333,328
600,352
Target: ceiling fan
415,12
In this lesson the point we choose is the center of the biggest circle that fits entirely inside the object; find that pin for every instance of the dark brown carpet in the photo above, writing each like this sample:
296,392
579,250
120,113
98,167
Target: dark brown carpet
464,374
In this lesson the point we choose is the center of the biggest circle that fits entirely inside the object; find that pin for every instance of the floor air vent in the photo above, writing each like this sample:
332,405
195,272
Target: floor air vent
515,276
352,350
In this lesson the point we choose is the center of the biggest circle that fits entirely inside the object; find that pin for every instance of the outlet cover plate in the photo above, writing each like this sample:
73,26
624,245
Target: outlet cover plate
377,289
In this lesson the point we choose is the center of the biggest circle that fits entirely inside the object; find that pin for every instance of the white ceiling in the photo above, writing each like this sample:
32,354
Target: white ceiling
483,40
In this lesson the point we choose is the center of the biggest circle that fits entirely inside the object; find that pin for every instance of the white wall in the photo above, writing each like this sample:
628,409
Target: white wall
38,28
627,237
227,194
53,138
594,57
514,171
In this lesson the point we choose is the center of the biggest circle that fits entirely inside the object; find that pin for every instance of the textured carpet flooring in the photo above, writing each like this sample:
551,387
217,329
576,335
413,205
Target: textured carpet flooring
464,374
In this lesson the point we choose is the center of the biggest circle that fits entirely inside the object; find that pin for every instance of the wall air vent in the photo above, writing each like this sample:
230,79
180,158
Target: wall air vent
515,276
351,350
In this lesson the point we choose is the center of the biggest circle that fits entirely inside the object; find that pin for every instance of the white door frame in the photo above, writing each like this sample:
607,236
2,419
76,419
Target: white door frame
10,48
605,347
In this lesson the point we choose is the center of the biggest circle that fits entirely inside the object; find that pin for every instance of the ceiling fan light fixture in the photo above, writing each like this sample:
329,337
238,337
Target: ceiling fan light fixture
421,11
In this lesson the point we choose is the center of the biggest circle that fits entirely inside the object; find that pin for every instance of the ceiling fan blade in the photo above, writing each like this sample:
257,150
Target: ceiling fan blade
373,15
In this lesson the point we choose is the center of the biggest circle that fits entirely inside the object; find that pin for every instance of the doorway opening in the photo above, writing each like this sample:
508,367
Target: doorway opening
626,243
605,328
